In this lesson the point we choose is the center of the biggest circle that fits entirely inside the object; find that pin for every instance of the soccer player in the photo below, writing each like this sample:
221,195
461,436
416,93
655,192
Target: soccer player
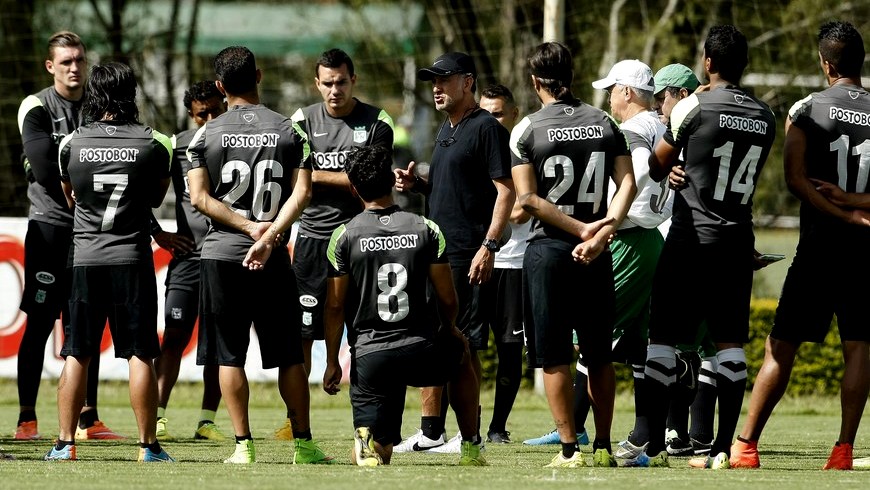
333,127
825,149
470,192
388,258
505,301
638,242
707,261
249,175
563,156
203,102
44,119
113,171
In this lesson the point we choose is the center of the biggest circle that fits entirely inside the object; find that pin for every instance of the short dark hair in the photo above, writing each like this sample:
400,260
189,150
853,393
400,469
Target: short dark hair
841,45
111,89
552,64
201,91
63,39
334,58
369,169
498,91
236,68
728,51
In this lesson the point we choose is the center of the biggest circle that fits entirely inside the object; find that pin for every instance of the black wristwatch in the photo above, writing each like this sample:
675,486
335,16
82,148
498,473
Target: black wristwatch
491,245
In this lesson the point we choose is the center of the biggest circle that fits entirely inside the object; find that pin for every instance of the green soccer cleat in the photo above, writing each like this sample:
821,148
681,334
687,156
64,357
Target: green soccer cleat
162,433
559,461
470,455
208,431
364,452
603,459
307,452
244,453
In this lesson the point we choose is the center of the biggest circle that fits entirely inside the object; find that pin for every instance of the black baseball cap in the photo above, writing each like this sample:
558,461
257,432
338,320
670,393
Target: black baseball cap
448,64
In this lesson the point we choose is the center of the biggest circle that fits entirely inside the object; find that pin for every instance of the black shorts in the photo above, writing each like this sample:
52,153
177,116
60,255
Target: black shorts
473,307
505,305
232,298
820,284
378,381
181,308
126,296
561,296
47,272
183,274
701,283
311,268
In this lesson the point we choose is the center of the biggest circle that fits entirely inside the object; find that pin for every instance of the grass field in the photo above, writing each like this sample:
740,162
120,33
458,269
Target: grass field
768,281
795,446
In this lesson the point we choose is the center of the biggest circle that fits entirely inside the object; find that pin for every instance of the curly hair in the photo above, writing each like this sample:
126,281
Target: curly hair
369,169
201,91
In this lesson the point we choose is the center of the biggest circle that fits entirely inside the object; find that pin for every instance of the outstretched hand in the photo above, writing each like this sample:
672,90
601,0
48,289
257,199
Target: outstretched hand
405,178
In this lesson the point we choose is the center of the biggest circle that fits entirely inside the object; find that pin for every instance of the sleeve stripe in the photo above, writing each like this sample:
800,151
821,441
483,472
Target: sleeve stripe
680,114
383,116
516,134
200,134
333,244
28,104
166,142
442,244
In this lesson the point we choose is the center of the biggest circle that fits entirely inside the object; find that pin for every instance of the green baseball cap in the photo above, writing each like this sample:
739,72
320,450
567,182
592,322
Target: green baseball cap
676,75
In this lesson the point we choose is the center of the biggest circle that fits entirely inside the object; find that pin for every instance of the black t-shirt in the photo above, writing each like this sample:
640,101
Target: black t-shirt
43,120
573,147
725,135
460,176
114,169
837,126
387,254
250,152
331,139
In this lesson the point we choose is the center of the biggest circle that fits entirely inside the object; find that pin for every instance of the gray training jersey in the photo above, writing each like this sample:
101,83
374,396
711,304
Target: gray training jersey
114,170
43,120
191,223
331,139
250,153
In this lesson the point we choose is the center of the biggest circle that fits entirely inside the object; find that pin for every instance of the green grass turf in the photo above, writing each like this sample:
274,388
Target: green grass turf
795,446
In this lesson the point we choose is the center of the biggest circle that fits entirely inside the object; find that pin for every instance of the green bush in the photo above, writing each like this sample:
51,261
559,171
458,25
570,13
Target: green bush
818,368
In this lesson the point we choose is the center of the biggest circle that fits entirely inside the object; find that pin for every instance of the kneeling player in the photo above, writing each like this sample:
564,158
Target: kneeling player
387,257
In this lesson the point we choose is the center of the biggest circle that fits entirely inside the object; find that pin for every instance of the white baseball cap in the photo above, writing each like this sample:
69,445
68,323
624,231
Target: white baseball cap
630,73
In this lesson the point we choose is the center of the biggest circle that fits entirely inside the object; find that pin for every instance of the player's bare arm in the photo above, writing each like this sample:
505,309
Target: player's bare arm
796,178
484,259
205,203
661,160
623,177
261,250
333,319
527,194
68,193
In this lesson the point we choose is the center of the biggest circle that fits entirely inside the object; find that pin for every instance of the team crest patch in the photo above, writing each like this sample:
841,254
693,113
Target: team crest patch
307,318
45,277
308,301
739,98
176,313
569,111
854,95
360,135
385,220
110,130
248,116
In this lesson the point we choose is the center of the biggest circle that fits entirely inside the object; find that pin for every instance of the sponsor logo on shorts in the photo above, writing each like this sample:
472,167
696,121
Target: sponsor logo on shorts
40,296
45,277
307,318
308,301
176,313
381,243
575,134
268,140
